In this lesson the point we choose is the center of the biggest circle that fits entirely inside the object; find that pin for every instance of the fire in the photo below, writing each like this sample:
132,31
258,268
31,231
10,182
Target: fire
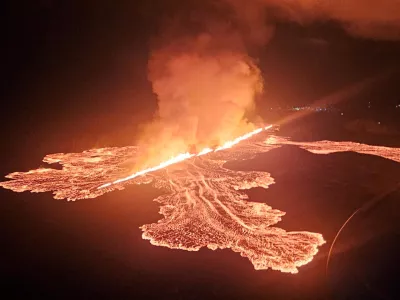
184,156
205,151
173,160
241,138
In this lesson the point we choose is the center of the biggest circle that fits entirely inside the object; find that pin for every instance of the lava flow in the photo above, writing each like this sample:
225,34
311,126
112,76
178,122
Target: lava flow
203,205
183,156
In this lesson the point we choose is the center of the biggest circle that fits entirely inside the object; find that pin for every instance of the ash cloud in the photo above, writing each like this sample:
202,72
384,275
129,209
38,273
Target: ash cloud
206,85
204,92
205,79
371,19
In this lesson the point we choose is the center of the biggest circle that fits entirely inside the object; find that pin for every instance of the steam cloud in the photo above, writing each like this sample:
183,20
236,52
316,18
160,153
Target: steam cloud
206,87
206,83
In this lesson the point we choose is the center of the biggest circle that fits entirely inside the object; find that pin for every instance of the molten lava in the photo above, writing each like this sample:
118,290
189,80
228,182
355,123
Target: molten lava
183,156
204,204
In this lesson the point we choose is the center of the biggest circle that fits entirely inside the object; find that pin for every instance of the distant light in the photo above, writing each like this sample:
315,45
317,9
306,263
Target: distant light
342,114
379,123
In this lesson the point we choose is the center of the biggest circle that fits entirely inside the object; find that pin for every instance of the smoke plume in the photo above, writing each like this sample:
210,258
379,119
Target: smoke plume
372,19
206,82
206,85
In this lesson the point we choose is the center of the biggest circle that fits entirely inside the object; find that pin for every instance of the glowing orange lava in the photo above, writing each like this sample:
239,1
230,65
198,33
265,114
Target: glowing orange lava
204,204
183,156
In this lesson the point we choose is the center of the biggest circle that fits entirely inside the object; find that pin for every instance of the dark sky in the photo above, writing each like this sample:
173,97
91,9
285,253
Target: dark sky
75,72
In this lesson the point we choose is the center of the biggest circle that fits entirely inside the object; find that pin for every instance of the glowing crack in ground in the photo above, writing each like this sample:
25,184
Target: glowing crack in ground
204,204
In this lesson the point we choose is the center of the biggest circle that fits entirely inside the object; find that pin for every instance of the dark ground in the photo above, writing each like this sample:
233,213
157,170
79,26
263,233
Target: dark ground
93,248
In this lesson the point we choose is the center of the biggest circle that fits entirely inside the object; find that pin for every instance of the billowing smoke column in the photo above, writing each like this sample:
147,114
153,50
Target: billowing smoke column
206,82
206,85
